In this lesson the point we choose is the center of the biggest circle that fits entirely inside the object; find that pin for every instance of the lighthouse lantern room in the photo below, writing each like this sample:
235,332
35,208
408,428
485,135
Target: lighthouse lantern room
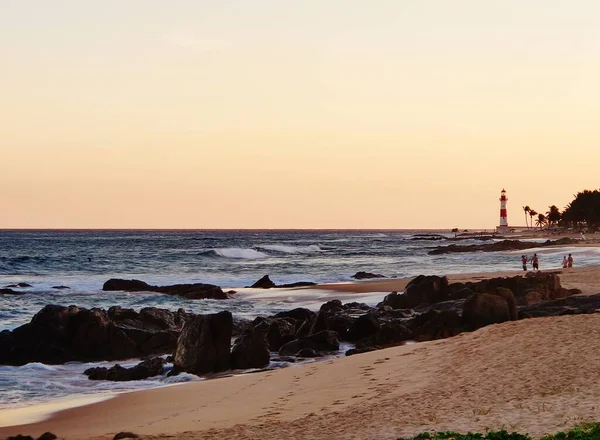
503,227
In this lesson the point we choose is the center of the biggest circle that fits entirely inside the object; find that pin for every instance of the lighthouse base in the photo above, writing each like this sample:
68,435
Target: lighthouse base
502,229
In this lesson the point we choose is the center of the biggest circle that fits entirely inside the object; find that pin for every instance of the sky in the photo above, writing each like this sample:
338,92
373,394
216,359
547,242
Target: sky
311,114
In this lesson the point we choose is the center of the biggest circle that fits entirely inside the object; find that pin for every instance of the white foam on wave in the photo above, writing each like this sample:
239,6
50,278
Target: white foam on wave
240,253
289,249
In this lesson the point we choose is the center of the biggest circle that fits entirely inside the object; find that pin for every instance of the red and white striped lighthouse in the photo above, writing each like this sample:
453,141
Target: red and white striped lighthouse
503,214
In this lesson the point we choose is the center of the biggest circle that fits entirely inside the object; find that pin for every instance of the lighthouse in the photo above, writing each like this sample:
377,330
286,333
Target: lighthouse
503,215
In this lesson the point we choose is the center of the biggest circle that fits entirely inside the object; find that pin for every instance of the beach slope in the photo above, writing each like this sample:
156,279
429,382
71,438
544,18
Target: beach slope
534,375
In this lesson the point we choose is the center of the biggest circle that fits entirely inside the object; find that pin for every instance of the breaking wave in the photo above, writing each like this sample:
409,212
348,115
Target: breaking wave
237,253
287,249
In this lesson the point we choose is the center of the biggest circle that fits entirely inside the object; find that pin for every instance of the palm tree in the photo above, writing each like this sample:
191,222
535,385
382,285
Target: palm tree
532,213
553,215
541,220
526,209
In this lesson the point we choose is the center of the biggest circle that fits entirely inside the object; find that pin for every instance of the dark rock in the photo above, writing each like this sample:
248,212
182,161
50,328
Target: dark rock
10,292
251,350
47,436
365,326
278,332
422,290
572,305
510,301
20,437
307,353
297,284
60,287
299,314
483,309
19,285
504,245
204,343
240,325
58,334
189,291
323,341
145,369
125,434
437,325
264,283
361,350
366,275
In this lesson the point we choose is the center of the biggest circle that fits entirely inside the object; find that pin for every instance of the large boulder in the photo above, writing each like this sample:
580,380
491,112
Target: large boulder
145,369
188,291
365,326
483,309
437,325
204,343
278,331
58,334
251,350
421,291
323,341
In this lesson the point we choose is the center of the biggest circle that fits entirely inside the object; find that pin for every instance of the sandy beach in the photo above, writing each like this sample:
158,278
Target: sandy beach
517,376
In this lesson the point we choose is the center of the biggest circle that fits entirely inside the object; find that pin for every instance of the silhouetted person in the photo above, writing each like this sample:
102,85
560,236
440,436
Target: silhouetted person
535,262
524,262
570,261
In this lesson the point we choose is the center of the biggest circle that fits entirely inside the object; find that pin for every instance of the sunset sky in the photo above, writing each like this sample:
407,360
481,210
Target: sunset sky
295,114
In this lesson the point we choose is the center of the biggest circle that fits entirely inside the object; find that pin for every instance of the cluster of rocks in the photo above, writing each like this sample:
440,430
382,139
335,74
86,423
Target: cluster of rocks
44,436
430,308
504,245
148,368
366,275
188,291
58,334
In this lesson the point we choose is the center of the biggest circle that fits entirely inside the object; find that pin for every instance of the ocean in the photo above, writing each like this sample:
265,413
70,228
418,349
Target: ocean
84,260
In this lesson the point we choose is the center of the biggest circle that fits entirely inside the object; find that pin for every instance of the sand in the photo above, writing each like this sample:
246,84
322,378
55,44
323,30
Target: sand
534,375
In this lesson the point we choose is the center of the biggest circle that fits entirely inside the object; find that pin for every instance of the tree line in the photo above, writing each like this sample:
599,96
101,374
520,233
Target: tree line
582,212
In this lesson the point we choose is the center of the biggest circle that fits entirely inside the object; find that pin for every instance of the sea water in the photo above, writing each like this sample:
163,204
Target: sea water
84,260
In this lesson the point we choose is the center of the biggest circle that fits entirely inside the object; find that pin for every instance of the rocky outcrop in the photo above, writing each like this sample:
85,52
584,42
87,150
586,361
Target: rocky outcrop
145,369
60,287
366,275
266,283
188,291
422,290
504,245
58,334
572,305
19,286
323,341
251,350
204,343
8,291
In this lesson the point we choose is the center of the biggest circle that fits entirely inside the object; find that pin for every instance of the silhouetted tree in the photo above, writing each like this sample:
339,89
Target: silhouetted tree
553,215
532,213
541,221
585,208
526,209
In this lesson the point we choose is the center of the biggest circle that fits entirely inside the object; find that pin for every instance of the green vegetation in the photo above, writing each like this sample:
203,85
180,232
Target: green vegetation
585,431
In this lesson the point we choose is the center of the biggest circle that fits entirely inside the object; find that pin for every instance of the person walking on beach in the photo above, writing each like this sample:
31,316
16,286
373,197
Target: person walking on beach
565,262
570,261
524,262
535,262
